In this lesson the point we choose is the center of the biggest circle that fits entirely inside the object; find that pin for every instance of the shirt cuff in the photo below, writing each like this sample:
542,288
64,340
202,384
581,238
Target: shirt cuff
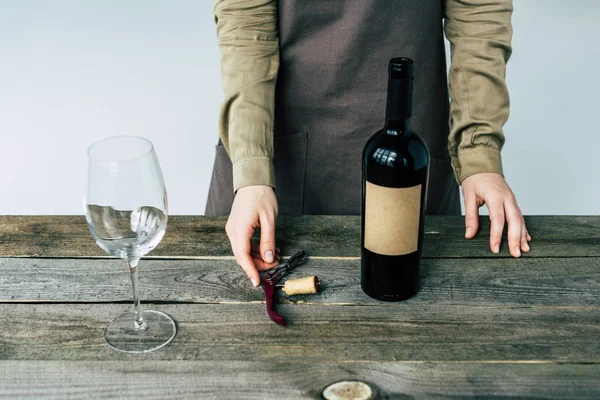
253,171
476,160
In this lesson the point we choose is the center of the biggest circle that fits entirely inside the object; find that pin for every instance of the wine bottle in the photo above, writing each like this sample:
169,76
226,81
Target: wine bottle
395,174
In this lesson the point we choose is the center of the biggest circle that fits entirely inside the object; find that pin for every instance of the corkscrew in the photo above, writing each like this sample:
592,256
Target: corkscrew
269,282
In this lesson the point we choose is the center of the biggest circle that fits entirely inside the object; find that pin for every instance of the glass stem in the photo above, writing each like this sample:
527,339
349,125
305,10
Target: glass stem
139,320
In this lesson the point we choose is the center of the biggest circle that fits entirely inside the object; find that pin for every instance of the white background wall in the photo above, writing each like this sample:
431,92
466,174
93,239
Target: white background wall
74,71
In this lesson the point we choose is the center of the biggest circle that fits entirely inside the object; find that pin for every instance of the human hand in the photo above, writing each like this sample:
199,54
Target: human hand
254,207
493,190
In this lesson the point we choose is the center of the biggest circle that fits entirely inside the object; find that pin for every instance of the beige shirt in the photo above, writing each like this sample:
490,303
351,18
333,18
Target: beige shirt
479,32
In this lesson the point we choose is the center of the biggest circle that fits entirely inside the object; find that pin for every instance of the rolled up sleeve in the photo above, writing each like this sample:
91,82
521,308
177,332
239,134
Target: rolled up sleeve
248,40
480,34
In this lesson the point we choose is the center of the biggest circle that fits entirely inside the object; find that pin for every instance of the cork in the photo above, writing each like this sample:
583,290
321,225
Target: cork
308,285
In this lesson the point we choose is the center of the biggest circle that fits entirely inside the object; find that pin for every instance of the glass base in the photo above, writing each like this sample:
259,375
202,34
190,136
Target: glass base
158,330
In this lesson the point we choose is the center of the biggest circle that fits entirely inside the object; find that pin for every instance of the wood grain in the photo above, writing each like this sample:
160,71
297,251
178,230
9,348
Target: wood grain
329,236
483,325
238,332
151,379
505,282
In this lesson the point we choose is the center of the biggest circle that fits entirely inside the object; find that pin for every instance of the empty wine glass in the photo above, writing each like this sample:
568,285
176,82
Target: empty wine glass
126,212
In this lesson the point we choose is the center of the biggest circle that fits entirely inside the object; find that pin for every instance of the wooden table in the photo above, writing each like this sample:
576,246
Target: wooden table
483,325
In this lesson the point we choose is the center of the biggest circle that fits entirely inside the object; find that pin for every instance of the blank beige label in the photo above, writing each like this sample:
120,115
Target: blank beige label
392,219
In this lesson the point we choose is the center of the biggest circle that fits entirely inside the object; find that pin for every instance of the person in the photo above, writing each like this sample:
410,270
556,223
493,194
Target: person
305,87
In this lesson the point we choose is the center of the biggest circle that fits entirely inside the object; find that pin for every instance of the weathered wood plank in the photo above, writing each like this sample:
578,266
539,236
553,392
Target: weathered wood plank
139,378
239,332
337,236
507,282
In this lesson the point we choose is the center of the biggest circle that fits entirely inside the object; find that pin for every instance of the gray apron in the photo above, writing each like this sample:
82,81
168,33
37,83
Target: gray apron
331,96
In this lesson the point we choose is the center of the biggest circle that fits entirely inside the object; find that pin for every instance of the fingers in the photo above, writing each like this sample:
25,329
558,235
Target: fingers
497,220
241,250
492,189
262,265
524,239
241,246
267,237
254,206
516,226
471,216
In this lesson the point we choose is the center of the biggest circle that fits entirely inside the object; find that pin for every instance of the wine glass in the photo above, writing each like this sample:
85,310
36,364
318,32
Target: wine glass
126,212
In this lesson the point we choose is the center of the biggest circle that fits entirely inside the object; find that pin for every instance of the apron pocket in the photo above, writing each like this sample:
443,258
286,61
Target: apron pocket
290,168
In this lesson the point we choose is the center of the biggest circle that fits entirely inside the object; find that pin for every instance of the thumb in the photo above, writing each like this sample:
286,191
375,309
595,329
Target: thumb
471,216
267,239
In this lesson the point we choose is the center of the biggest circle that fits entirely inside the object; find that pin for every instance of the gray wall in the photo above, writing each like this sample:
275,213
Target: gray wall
74,71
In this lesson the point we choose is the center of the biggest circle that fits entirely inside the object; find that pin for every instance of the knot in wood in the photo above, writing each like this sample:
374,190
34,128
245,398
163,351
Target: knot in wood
348,390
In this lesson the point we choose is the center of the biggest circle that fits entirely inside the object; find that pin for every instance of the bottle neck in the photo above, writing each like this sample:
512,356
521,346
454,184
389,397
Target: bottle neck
398,127
399,107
